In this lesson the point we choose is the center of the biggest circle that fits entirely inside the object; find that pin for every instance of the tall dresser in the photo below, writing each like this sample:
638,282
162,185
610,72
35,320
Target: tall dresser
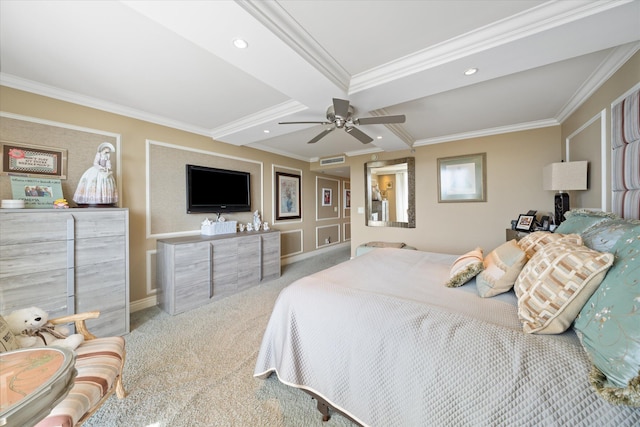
194,270
67,261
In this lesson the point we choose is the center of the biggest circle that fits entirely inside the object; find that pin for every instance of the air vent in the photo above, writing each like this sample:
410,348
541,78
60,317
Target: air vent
332,161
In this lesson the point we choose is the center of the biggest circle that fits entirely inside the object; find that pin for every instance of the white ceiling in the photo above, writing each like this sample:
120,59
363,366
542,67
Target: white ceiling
173,63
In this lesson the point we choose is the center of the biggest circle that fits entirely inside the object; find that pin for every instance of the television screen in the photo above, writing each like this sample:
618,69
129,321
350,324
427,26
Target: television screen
217,190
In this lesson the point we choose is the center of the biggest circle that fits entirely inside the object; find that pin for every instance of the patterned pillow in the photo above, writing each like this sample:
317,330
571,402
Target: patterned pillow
534,241
579,220
7,341
501,269
609,325
465,268
604,235
555,284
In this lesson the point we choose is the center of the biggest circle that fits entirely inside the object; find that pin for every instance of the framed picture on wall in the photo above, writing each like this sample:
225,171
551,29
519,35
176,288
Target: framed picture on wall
287,196
347,198
326,197
462,178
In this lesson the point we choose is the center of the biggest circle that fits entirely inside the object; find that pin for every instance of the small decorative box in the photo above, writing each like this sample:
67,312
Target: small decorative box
215,228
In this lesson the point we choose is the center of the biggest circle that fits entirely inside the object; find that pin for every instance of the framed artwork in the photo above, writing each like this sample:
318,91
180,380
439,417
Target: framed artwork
33,161
326,197
462,178
525,222
288,196
347,198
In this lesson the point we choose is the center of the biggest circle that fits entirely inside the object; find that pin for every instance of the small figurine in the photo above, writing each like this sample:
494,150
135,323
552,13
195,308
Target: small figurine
265,226
60,204
256,221
249,226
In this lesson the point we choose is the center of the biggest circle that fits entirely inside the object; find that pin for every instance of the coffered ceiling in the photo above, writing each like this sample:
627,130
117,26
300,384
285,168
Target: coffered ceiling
174,63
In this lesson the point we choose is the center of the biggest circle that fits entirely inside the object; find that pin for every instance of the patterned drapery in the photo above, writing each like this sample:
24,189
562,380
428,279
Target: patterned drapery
625,158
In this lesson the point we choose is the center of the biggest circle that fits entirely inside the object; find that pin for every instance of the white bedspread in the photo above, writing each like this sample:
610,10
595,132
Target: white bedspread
383,340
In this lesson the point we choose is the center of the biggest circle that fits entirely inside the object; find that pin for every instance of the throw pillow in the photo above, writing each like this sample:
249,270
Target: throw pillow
604,235
608,325
556,283
578,220
465,268
7,341
532,242
501,269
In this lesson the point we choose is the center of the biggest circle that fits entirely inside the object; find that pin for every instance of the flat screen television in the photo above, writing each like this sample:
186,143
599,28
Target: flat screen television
217,190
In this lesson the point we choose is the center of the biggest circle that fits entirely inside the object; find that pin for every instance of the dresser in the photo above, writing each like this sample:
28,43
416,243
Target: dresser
67,261
194,270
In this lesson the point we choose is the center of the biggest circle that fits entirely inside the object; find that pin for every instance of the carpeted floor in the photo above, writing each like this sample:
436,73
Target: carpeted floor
196,368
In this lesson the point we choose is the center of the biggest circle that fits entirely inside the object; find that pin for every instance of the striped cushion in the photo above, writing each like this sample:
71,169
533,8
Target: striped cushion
556,283
465,268
99,362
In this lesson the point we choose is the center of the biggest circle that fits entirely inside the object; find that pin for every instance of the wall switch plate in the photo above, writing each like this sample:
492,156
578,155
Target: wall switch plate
360,209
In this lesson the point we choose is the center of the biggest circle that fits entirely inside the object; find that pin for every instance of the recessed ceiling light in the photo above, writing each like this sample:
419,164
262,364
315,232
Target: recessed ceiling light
378,137
470,71
266,131
240,43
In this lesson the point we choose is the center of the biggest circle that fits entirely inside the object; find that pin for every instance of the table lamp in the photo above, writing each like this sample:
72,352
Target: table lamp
561,177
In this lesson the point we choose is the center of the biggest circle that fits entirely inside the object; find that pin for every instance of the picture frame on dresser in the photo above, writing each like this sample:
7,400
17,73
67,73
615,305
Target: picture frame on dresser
525,222
33,160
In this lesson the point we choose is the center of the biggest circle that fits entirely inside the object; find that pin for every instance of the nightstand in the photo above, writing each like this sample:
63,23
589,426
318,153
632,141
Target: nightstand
515,234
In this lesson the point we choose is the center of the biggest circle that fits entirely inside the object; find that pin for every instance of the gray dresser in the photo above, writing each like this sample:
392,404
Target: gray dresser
67,261
194,270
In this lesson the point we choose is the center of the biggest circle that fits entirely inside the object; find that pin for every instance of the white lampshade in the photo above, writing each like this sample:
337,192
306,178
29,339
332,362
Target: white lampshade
565,176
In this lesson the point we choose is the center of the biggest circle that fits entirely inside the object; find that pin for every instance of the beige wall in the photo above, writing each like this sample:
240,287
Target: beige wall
514,186
135,134
514,179
583,129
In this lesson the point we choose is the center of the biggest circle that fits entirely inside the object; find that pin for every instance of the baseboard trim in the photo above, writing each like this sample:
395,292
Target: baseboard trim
141,304
295,258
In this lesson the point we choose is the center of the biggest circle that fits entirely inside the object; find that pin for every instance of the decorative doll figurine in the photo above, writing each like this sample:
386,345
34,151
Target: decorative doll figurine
97,185
256,221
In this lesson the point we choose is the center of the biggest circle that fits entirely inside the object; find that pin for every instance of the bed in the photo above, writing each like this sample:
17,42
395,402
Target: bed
381,339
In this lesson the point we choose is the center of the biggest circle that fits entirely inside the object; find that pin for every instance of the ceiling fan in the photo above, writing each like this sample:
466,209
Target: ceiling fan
340,115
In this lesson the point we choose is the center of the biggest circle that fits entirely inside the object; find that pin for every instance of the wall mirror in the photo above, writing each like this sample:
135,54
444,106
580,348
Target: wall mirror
390,193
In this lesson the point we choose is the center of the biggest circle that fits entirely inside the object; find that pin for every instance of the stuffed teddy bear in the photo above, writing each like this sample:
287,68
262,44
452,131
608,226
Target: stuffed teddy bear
31,329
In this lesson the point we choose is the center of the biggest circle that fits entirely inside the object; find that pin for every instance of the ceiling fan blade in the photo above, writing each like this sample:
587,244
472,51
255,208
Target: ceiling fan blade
358,134
304,123
321,135
380,120
341,107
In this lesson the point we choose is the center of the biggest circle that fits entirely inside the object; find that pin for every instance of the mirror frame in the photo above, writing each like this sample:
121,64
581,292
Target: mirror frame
411,177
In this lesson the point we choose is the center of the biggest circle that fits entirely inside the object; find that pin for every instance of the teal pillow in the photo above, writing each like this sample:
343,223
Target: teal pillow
609,324
603,236
579,220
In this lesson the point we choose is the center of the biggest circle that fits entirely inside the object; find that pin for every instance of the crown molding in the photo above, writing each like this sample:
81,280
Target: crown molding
488,132
264,116
530,22
612,63
278,21
87,101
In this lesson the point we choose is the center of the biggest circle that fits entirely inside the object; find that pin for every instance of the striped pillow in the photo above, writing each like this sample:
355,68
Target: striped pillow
556,283
501,269
465,268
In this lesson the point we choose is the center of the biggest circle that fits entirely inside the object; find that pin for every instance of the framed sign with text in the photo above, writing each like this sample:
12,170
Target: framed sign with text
32,160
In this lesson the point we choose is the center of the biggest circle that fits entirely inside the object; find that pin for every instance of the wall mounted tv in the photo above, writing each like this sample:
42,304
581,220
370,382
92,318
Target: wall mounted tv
217,190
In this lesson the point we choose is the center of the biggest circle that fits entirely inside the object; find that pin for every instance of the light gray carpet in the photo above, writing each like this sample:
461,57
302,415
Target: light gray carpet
196,368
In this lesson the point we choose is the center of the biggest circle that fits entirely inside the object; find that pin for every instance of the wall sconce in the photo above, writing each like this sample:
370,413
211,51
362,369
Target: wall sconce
561,177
